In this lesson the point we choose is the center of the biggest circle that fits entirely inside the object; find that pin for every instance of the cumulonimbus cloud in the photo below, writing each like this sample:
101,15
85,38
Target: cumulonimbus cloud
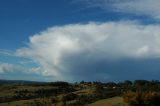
63,51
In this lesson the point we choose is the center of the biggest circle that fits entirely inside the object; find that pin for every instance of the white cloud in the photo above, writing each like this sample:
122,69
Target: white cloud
12,68
5,67
139,7
57,47
143,50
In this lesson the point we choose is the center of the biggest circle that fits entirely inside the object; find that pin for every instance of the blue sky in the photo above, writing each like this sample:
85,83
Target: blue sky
74,40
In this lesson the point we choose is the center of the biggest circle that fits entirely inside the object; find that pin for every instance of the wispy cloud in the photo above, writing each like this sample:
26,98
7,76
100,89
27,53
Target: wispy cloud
12,68
18,72
24,62
138,7
6,53
71,50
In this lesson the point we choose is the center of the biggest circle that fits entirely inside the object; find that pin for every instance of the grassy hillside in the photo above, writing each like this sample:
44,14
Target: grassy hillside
81,94
109,102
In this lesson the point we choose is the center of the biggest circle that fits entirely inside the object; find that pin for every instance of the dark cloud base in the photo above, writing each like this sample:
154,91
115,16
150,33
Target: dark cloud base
119,70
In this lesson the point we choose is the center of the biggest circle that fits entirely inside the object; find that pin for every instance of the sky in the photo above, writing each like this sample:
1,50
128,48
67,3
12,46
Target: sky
75,40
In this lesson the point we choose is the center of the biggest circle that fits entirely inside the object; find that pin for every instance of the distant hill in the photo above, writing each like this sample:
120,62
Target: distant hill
3,81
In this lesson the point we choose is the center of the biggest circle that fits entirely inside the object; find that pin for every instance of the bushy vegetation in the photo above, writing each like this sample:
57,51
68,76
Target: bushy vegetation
135,93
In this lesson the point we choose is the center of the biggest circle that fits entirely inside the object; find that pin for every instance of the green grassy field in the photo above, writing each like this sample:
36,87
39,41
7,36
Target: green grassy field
109,102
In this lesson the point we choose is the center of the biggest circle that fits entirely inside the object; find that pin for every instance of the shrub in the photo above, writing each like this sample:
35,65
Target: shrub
142,98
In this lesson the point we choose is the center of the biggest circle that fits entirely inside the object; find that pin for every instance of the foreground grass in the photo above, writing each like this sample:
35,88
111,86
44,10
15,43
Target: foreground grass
16,103
109,102
105,102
